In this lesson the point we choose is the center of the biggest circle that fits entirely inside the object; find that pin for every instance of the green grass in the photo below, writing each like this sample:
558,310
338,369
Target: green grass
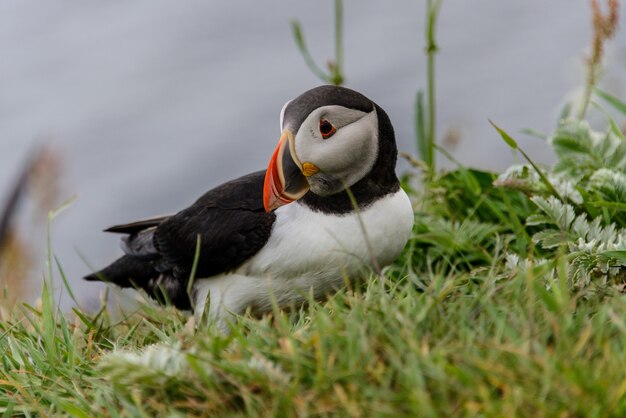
474,343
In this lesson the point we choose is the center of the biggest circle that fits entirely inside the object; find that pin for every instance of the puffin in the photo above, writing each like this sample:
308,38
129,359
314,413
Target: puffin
328,207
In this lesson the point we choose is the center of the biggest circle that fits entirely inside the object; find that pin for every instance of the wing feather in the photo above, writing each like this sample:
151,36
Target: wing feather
136,226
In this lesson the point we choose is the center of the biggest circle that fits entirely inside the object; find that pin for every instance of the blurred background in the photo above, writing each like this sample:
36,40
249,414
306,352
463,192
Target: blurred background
145,105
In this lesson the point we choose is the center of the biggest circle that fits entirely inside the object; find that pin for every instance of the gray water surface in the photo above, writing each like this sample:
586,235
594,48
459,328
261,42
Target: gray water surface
153,102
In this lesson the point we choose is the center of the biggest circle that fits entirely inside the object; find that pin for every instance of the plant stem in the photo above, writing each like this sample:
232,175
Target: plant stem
308,59
604,28
433,7
337,71
335,68
586,98
432,113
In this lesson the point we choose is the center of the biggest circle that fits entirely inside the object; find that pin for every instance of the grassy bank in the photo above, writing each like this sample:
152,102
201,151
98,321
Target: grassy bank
410,344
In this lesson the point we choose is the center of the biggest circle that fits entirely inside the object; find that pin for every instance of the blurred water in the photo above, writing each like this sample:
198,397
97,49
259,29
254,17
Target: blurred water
152,102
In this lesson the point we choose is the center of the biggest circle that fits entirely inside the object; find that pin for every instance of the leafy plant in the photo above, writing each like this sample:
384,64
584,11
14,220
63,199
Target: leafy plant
586,215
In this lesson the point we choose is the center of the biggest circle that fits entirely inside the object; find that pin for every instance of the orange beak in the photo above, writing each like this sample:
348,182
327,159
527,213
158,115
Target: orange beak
284,180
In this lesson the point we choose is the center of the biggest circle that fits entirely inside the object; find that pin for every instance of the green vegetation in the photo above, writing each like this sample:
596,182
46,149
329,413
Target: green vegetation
477,343
507,301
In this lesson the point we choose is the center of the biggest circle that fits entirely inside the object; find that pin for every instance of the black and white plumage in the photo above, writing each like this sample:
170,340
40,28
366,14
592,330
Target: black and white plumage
277,235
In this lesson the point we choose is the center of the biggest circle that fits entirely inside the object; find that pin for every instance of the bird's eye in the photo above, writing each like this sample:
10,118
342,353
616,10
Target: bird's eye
326,129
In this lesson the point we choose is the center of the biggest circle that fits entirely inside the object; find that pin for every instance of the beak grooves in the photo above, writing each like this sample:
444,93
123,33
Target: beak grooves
284,178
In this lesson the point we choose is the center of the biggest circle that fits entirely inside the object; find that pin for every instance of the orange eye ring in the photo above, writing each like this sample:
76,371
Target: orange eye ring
326,129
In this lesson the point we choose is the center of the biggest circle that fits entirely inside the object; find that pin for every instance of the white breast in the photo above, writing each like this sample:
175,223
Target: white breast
303,240
311,251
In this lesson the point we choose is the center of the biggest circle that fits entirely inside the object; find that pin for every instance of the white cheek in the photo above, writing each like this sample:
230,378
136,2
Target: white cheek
349,154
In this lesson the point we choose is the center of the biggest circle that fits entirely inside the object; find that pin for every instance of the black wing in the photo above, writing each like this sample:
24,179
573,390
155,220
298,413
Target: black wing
230,223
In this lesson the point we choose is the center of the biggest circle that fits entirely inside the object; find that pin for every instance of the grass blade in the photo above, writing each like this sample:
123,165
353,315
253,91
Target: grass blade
298,36
505,136
513,144
420,129
616,103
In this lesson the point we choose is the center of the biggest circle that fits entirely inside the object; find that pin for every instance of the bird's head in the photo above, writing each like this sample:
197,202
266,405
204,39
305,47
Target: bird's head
332,138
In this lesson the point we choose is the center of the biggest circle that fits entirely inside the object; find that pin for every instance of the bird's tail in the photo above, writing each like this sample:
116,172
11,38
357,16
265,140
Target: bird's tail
128,271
